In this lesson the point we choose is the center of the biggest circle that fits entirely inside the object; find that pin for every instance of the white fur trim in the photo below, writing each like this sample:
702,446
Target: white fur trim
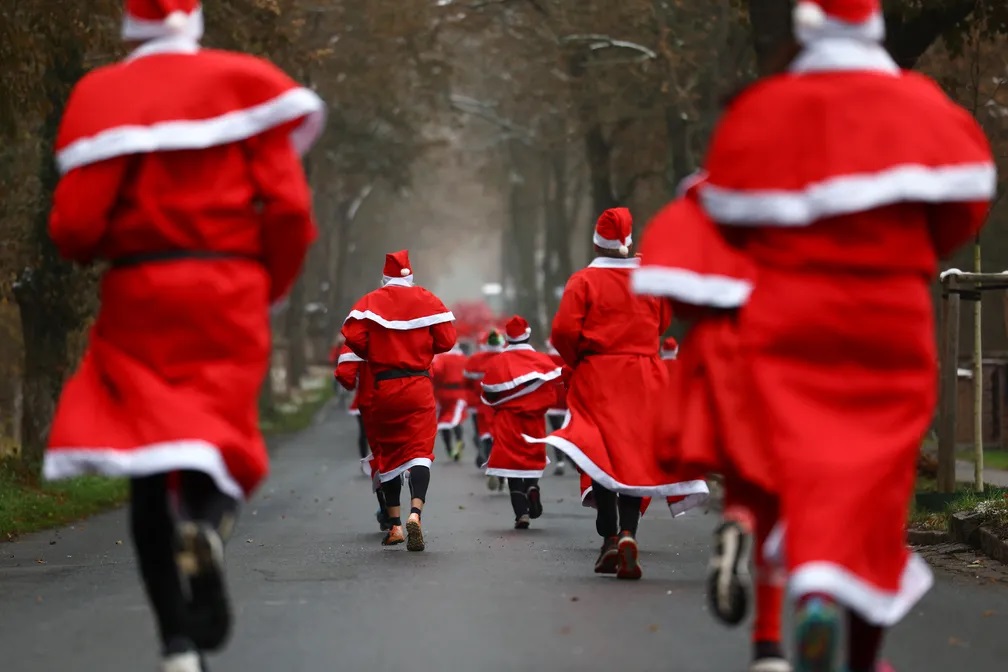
588,498
609,262
404,281
876,606
690,181
517,473
607,244
202,133
848,194
349,357
519,346
456,420
680,507
401,325
528,389
473,375
521,380
609,483
520,339
686,286
837,55
155,458
871,30
669,354
353,411
556,413
366,464
176,23
387,476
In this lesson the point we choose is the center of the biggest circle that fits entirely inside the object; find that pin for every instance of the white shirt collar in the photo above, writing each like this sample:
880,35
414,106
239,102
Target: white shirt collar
399,282
165,45
613,262
844,55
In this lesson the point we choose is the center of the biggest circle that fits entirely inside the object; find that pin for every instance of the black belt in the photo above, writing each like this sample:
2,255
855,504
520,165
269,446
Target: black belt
453,386
141,258
396,374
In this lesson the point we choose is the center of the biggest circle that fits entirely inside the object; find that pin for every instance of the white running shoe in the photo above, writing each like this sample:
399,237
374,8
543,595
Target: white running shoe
770,665
182,662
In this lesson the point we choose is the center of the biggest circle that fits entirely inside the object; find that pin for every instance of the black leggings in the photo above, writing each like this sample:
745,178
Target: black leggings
362,442
519,488
609,504
555,423
419,482
152,523
446,436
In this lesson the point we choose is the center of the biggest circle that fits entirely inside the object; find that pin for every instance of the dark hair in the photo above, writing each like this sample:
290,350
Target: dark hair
612,254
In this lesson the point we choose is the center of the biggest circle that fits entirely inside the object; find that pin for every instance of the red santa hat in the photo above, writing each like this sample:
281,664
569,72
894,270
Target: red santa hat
397,265
860,20
152,19
612,230
669,348
517,330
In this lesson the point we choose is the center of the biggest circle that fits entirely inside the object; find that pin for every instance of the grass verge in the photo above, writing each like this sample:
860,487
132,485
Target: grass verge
992,503
26,505
993,459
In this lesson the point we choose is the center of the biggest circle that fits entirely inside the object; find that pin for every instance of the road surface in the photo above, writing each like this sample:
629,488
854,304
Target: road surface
315,591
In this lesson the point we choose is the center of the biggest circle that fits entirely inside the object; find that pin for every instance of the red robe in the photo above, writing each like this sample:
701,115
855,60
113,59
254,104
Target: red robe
180,164
518,387
609,337
843,367
399,327
450,390
475,370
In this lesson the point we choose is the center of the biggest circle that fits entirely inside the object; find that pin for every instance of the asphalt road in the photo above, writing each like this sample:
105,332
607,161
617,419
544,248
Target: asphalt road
315,591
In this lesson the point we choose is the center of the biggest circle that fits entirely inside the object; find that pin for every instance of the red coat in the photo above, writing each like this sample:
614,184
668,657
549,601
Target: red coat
518,387
609,337
843,367
399,328
475,370
450,388
209,217
348,374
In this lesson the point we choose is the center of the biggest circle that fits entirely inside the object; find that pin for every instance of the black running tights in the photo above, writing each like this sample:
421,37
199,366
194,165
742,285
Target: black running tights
609,505
447,434
362,442
419,482
152,523
519,488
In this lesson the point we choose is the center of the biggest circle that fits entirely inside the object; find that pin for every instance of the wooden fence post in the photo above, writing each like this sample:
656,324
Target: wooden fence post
949,378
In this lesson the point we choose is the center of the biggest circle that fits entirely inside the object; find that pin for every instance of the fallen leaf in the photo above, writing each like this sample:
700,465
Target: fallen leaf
575,598
461,508
52,543
955,641
653,627
118,542
40,561
988,613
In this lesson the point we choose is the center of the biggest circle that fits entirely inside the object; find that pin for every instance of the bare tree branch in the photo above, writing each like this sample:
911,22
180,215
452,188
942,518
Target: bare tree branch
599,42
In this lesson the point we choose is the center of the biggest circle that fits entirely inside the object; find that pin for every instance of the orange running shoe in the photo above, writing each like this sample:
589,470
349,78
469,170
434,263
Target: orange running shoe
394,536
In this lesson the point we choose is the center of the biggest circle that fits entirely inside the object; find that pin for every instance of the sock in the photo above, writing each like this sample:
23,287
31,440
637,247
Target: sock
415,510
395,521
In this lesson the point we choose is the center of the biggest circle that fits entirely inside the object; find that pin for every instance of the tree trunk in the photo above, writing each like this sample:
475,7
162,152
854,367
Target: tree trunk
53,296
294,333
772,29
599,155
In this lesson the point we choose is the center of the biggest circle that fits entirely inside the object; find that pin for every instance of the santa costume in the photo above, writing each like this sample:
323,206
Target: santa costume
398,329
609,338
711,426
448,372
556,415
490,346
517,385
845,203
180,167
